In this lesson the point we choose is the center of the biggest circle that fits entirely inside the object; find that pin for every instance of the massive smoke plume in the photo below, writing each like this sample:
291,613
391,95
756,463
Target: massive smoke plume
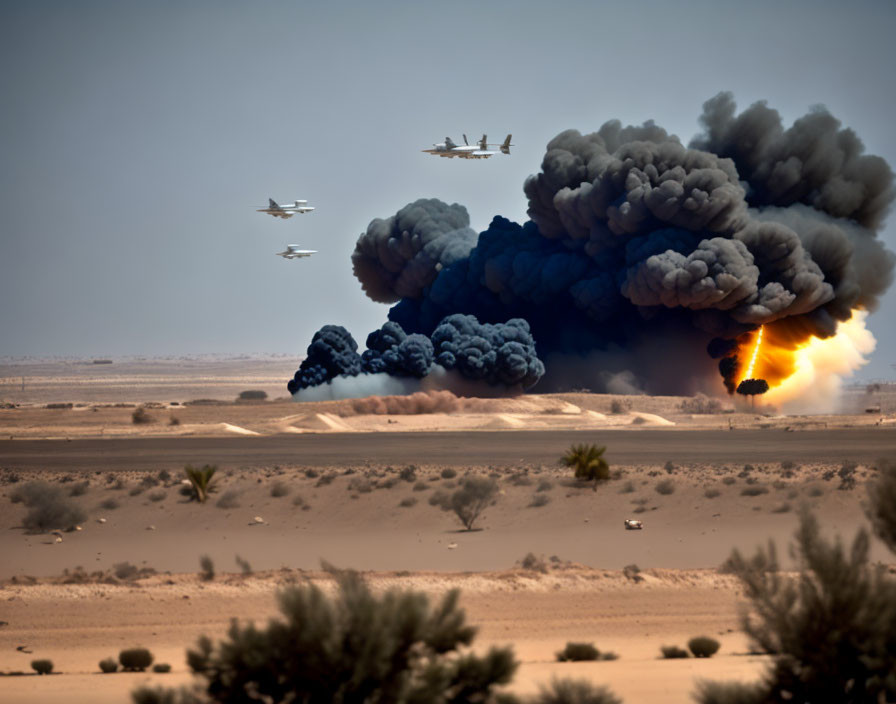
642,254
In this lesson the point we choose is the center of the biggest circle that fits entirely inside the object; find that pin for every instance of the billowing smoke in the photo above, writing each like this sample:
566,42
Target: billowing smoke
640,256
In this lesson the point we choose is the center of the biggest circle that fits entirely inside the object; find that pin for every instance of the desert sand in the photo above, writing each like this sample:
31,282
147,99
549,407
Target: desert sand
62,599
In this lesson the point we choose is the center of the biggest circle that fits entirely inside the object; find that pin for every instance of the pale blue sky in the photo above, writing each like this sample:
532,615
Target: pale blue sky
137,137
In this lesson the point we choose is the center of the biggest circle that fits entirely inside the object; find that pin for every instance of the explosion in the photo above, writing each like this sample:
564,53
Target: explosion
754,243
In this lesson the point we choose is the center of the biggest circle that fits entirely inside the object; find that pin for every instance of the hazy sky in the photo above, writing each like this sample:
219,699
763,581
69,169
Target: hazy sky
138,138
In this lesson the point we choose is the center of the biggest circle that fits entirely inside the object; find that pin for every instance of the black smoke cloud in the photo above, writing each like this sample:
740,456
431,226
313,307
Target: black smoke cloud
640,251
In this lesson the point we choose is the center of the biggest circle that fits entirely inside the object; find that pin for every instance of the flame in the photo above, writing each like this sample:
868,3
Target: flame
805,373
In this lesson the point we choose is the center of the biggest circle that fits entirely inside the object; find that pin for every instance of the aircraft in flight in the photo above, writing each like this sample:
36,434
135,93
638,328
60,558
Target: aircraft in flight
293,252
468,151
286,211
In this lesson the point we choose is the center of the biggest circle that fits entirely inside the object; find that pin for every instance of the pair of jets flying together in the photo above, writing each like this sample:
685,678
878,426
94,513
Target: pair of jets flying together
293,251
469,151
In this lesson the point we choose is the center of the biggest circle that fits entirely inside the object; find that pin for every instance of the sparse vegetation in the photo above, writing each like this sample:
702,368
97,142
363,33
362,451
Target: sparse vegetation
448,473
229,499
408,501
618,405
48,507
408,474
140,416
539,500
79,488
279,489
701,405
577,652
352,647
135,659
754,490
703,646
673,652
200,480
532,562
570,691
712,493
627,488
110,504
42,667
161,667
473,497
588,463
206,568
665,487
156,496
253,395
244,565
299,502
544,485
847,474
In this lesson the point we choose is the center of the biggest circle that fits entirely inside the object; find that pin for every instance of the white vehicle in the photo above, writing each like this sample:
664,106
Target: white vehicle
468,151
286,211
294,252
632,524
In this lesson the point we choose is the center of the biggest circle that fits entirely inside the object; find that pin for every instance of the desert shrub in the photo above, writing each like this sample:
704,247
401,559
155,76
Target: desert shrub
229,499
359,485
532,562
244,565
669,467
354,646
325,479
665,487
847,474
135,659
700,404
627,488
539,500
207,568
299,502
79,489
783,507
618,405
632,572
544,485
408,501
703,646
673,652
161,667
108,665
253,395
729,480
440,498
787,464
164,475
587,462
570,691
311,473
200,480
48,507
109,504
173,420
730,693
473,497
448,473
832,628
279,489
882,500
136,491
42,667
517,479
156,496
712,493
753,490
125,570
408,474
815,491
576,652
140,416
421,486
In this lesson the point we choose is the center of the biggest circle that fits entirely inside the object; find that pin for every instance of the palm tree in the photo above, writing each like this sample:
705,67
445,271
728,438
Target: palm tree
588,463
200,480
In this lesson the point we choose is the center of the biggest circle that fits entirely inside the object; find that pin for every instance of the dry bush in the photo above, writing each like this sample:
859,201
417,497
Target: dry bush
161,667
753,490
207,568
448,473
253,395
42,667
48,507
408,501
135,659
703,646
665,487
108,665
473,497
577,652
673,652
570,691
532,562
539,500
229,499
279,489
701,405
712,493
140,416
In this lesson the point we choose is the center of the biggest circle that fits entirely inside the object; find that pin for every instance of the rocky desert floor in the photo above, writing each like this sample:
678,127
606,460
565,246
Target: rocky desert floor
548,562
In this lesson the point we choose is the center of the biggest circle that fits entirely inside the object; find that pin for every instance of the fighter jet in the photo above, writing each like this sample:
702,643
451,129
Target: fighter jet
468,151
293,252
286,211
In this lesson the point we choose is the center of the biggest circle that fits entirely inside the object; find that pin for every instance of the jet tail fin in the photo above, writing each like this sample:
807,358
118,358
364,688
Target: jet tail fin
272,204
483,143
449,143
506,145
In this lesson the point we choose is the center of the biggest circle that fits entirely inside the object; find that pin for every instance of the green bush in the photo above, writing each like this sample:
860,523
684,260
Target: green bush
587,462
703,646
200,480
672,652
575,652
354,646
108,665
42,667
473,497
569,691
135,659
161,667
253,395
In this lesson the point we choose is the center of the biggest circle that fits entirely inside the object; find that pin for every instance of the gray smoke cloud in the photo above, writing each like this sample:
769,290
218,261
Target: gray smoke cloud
636,241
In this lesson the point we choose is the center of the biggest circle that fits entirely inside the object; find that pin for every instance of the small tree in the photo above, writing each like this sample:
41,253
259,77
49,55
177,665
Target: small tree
200,480
135,659
351,647
42,667
751,388
587,462
473,498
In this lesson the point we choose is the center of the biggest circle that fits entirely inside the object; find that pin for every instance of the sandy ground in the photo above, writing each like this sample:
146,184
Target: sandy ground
283,519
